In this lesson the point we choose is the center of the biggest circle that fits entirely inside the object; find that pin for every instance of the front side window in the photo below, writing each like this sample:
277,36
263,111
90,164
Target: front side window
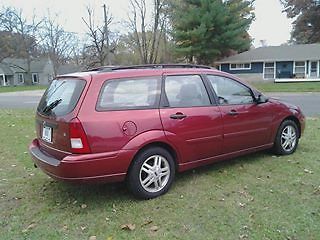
229,91
133,93
186,91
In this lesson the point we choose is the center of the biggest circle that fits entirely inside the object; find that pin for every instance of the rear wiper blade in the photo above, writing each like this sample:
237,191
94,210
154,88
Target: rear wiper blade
51,105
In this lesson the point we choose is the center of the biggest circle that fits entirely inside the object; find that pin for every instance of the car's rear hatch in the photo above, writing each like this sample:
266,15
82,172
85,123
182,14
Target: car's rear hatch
57,111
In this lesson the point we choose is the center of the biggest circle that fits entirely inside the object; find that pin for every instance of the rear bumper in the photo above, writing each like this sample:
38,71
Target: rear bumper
100,167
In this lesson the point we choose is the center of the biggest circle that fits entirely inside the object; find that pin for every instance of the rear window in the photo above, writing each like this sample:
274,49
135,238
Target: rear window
133,93
61,97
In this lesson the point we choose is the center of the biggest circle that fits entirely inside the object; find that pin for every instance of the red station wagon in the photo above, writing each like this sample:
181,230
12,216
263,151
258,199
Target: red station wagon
143,123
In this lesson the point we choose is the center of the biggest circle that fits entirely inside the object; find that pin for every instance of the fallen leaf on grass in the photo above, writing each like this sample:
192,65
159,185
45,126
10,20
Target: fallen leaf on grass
32,225
242,204
243,236
245,227
146,223
307,171
92,238
128,226
154,228
316,190
83,206
114,208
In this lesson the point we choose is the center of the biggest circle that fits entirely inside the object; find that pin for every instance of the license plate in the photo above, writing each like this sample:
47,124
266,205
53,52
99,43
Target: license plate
47,134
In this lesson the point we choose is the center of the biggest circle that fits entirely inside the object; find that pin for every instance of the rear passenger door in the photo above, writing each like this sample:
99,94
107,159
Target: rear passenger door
190,119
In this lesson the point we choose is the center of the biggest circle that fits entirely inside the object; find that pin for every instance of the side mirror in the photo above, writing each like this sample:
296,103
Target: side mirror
261,99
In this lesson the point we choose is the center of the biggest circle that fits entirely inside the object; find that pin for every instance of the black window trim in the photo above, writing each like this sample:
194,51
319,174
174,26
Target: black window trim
232,79
155,106
164,102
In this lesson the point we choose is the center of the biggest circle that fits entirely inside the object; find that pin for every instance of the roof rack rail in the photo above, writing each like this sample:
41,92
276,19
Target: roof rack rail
101,68
148,66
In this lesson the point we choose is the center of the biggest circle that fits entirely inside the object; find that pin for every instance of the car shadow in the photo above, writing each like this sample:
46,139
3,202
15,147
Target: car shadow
63,194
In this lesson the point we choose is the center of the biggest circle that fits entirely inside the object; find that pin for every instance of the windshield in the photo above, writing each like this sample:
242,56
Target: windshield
61,97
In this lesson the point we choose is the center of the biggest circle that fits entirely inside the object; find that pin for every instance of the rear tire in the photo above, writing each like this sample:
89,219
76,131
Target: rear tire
151,174
287,138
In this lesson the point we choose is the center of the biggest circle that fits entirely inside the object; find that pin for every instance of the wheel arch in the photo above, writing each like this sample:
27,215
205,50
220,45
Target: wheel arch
163,145
295,120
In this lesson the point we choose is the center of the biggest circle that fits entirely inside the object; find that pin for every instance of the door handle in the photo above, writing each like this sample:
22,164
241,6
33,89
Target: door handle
178,115
233,112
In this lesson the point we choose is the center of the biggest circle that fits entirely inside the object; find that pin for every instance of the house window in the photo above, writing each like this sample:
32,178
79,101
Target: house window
7,83
20,78
313,69
35,78
316,2
269,70
300,69
240,66
3,79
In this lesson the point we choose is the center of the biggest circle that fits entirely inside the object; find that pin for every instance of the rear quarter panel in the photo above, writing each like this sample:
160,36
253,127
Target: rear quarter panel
109,131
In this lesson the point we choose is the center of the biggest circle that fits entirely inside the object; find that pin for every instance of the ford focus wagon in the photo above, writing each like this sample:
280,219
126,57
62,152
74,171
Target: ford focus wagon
142,124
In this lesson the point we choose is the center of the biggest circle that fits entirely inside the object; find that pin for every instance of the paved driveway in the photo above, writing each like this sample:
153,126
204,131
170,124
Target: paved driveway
309,102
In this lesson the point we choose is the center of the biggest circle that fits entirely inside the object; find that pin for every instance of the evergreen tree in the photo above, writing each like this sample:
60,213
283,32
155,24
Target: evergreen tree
209,29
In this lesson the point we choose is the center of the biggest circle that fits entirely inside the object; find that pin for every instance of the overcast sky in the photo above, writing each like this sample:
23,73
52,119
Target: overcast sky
270,25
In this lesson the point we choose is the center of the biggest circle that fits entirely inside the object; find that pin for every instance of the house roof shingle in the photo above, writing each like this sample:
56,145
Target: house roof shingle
301,52
5,69
20,65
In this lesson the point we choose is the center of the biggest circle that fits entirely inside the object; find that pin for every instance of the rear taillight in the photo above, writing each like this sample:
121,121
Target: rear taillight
78,138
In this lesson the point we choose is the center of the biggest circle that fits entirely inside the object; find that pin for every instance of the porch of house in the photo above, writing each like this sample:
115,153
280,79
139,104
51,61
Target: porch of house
288,80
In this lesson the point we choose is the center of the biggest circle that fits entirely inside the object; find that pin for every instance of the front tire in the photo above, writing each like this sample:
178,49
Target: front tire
287,138
151,173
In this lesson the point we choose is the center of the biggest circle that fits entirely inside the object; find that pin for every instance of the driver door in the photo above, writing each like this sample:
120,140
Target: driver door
246,124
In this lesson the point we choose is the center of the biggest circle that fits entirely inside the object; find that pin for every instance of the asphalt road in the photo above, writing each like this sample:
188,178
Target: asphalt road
22,99
308,102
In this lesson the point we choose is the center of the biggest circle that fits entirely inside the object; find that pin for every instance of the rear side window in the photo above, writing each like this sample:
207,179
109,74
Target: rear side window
133,93
186,91
61,97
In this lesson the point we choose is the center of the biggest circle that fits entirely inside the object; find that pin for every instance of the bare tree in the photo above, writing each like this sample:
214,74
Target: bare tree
147,39
99,48
12,20
56,42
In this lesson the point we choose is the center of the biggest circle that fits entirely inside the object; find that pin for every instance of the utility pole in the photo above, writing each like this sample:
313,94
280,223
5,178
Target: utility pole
106,33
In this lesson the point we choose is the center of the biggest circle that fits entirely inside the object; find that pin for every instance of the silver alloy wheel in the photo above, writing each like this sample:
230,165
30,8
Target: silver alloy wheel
154,173
288,138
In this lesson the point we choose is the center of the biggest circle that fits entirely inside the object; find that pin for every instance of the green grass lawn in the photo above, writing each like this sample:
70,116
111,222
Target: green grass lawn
287,87
260,196
21,88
